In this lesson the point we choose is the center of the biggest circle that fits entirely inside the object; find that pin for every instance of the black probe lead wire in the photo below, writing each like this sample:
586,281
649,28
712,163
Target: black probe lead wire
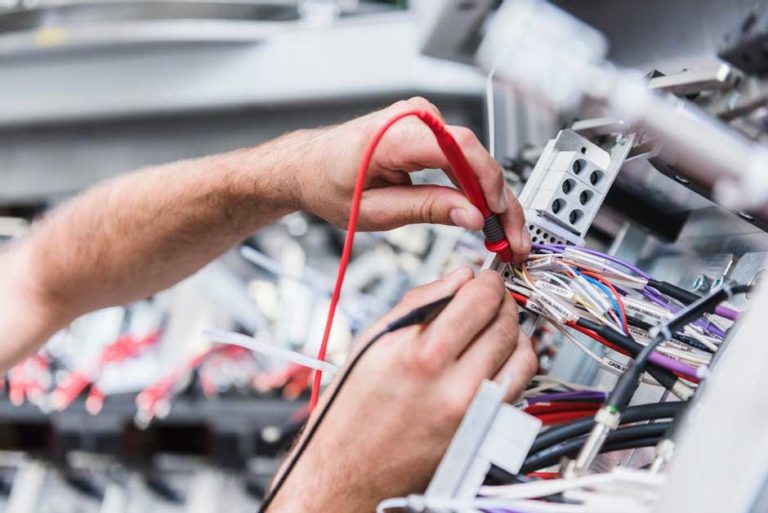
421,315
665,377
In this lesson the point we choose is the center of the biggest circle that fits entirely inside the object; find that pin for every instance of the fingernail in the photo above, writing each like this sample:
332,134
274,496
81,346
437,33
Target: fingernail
503,201
460,217
525,239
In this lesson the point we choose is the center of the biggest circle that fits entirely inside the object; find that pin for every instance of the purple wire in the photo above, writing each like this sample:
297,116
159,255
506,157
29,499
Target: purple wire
673,365
654,296
708,327
576,395
558,248
722,311
727,313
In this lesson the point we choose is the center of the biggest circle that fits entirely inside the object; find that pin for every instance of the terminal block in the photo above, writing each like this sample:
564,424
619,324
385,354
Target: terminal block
566,189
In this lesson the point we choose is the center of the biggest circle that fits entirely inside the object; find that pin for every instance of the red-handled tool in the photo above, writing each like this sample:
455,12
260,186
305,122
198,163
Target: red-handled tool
495,240
494,232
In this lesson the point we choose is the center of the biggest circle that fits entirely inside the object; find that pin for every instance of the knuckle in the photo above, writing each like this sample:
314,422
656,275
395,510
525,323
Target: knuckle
423,103
456,401
426,359
427,209
401,105
412,296
419,101
464,136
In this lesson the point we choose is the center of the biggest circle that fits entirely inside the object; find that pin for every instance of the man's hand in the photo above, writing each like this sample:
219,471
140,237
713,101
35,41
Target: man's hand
390,199
142,232
392,422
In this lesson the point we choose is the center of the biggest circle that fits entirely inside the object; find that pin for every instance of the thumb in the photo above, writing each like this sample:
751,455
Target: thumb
391,207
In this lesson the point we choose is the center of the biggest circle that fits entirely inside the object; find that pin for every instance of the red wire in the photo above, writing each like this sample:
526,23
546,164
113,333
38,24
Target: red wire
522,300
544,475
560,407
560,418
463,174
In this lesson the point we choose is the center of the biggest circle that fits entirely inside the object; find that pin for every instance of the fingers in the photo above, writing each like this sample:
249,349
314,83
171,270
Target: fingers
472,309
522,366
517,233
486,169
411,146
493,347
500,198
390,207
419,296
415,102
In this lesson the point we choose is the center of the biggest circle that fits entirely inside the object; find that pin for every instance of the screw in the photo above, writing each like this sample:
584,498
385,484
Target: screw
621,140
702,283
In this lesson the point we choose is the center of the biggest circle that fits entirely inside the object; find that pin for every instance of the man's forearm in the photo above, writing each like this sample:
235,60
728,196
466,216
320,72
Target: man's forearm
137,234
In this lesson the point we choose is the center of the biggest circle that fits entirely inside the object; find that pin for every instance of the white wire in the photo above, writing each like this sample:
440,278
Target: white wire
551,487
599,360
680,354
549,382
396,502
250,343
523,506
491,113
585,349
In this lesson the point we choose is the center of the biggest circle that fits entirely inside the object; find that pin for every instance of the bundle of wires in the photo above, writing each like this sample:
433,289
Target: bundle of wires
618,304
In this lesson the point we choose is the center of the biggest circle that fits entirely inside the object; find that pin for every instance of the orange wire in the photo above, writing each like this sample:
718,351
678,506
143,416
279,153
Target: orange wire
615,293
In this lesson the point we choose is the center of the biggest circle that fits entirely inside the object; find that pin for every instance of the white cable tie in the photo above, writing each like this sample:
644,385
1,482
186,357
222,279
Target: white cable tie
257,346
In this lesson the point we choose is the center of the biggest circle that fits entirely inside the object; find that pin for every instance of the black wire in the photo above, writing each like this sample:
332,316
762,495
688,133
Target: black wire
633,321
674,291
580,427
665,377
629,381
421,315
626,437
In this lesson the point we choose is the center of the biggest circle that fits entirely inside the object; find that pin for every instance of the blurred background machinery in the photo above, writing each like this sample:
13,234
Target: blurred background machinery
147,407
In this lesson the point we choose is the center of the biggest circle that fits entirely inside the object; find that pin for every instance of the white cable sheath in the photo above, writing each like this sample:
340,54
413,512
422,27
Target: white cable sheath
250,343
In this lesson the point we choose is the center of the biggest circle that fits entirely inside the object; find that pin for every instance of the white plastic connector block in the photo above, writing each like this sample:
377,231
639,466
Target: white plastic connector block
566,189
572,186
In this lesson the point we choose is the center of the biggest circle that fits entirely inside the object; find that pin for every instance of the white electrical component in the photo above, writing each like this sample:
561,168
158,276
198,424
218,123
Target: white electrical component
566,189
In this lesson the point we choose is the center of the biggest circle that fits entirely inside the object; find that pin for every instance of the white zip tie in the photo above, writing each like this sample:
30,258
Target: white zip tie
257,346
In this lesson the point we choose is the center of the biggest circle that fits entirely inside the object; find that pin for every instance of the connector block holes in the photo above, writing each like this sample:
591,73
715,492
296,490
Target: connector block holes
542,236
558,205
585,196
568,186
575,216
578,166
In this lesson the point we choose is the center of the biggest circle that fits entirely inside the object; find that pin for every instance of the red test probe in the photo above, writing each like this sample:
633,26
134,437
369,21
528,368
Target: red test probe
495,241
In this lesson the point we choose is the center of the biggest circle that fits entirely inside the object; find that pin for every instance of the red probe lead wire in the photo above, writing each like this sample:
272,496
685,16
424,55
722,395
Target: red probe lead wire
468,182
